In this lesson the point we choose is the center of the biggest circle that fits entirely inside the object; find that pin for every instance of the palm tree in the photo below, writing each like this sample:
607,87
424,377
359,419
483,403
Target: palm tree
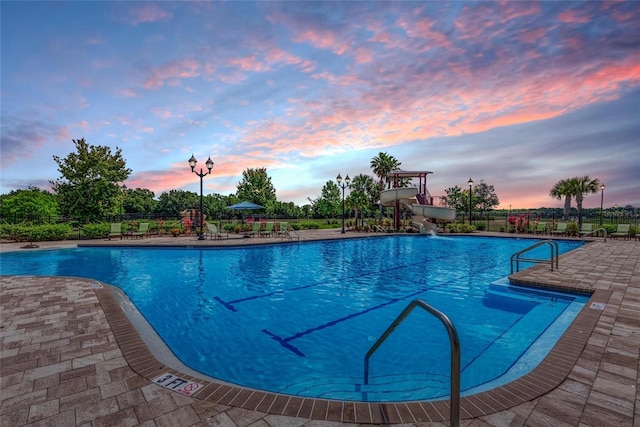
582,186
564,189
382,165
362,186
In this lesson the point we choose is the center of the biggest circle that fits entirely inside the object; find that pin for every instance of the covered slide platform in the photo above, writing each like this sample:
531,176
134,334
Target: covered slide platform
417,200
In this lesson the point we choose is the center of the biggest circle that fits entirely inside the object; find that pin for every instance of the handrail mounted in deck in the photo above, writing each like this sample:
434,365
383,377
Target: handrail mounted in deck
455,353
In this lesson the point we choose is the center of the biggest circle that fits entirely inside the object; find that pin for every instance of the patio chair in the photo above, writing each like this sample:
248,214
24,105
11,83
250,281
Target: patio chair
541,228
116,230
268,230
560,230
283,230
257,226
622,231
143,230
586,229
212,231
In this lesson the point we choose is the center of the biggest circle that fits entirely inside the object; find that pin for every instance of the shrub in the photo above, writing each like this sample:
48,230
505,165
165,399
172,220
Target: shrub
35,233
572,229
96,231
480,226
460,228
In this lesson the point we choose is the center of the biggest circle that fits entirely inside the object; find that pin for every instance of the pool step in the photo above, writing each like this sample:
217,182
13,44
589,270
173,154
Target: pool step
386,388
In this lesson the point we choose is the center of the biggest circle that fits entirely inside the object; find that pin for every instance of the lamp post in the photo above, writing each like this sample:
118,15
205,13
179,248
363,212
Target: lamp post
124,192
209,163
347,181
601,202
470,183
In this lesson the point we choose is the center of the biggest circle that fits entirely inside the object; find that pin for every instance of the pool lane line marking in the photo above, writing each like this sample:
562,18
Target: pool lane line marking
285,341
230,304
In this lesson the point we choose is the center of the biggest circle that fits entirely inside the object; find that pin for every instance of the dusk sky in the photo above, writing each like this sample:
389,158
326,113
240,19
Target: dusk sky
519,94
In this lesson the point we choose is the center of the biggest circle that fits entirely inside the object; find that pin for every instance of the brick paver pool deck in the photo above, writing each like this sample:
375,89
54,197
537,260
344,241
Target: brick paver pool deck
70,356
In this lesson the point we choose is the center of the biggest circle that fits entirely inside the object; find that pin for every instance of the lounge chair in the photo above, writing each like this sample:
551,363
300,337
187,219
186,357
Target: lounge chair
212,231
143,230
283,230
560,230
541,228
622,231
268,230
586,229
257,226
116,231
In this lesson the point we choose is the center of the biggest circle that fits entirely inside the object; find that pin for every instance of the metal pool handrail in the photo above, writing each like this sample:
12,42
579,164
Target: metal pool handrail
591,233
553,259
454,415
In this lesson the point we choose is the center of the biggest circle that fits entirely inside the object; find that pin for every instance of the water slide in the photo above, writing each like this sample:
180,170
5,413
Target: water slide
425,216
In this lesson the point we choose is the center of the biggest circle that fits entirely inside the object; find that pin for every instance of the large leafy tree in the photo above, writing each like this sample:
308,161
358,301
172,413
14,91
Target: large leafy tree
382,165
33,204
171,204
139,200
484,196
329,204
256,187
563,189
89,186
214,205
455,198
288,209
582,186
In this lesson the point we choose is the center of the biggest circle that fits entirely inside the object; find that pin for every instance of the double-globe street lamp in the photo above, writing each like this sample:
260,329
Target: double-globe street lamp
201,174
601,202
470,183
347,181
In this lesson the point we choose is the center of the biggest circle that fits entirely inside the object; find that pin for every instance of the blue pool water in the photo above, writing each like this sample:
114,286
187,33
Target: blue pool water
298,319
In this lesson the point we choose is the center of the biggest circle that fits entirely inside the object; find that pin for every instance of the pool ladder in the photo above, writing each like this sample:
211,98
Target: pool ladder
553,259
454,415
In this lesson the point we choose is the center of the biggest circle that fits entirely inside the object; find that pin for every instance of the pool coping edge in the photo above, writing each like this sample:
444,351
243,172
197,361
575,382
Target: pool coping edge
548,375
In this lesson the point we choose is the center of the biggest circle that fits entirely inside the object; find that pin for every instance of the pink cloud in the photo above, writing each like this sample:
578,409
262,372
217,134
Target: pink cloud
172,71
424,29
248,63
128,93
533,36
382,119
165,113
323,39
510,10
148,13
279,55
573,17
475,23
363,55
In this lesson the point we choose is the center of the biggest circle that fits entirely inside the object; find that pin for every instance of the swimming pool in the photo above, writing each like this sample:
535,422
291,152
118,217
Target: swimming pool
298,319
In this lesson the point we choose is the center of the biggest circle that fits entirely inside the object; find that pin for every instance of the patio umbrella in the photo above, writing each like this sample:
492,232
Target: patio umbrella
242,206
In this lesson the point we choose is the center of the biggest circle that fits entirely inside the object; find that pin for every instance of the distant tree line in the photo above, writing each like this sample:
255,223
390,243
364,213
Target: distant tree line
91,186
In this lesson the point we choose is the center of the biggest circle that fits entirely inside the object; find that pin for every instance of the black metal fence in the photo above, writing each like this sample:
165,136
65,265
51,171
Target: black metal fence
500,221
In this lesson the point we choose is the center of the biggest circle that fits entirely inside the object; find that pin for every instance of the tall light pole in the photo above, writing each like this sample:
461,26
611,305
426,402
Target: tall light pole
124,192
347,181
470,183
209,163
601,202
